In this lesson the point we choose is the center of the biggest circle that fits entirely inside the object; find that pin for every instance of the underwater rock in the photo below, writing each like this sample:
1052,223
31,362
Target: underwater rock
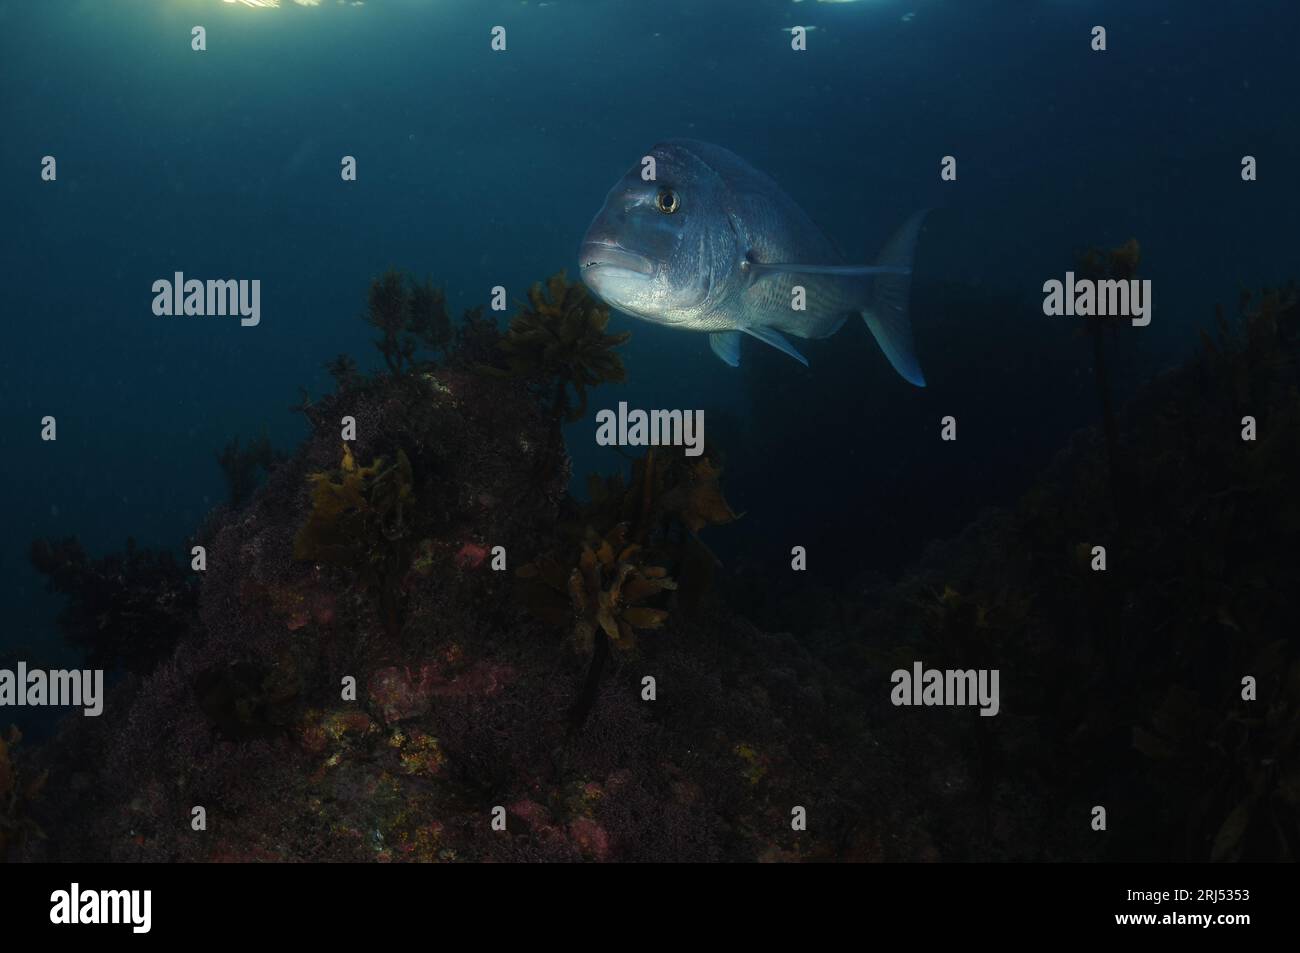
401,693
472,690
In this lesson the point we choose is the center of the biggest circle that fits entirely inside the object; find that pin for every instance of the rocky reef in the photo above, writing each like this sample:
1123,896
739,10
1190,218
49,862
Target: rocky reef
369,674
410,643
1164,688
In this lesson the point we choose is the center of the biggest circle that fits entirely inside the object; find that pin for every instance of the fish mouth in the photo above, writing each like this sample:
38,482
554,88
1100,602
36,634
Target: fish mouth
607,258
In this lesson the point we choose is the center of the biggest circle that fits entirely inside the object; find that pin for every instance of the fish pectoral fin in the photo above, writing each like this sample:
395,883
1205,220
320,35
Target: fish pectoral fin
851,271
775,338
726,344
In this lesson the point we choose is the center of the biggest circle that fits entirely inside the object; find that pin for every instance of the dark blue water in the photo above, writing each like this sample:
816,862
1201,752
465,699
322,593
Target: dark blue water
480,168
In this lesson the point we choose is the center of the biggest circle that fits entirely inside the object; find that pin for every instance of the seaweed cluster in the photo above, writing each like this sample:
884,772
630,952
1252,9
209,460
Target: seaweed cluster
602,598
1117,264
665,492
240,466
17,792
125,609
598,587
607,589
409,315
665,503
360,521
558,341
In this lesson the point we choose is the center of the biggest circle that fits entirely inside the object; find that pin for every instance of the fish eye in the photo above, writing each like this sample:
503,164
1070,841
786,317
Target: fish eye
667,201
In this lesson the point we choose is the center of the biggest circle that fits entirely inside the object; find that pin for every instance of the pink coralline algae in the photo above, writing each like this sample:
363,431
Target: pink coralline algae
583,833
316,607
400,693
480,679
533,814
322,608
589,837
537,822
471,556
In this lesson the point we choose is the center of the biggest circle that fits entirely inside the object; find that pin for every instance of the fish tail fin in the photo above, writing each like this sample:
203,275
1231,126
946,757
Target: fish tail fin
887,316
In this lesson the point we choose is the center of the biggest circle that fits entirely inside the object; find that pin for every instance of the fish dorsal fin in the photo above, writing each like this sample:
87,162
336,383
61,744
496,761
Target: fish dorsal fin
726,344
853,271
774,338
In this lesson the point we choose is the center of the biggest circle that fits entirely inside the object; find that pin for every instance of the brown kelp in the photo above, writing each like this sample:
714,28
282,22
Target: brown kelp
666,502
18,789
360,520
240,464
558,341
126,609
664,490
602,598
409,315
655,518
1117,264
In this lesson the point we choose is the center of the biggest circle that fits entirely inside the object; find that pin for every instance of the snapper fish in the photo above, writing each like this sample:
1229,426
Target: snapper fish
715,246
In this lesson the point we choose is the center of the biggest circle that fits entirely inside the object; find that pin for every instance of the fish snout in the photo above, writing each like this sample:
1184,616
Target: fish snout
609,260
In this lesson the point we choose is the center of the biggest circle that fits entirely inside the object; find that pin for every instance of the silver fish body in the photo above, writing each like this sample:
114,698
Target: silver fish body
711,244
